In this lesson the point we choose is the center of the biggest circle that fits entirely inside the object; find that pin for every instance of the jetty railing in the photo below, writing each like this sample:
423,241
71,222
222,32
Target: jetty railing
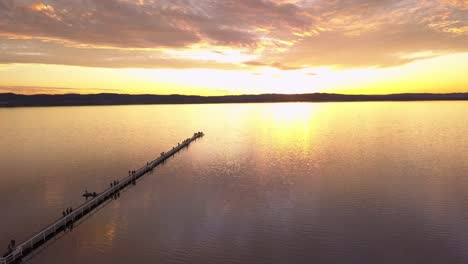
63,223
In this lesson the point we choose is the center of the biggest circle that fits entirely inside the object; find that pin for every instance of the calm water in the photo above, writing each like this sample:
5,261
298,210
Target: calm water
269,183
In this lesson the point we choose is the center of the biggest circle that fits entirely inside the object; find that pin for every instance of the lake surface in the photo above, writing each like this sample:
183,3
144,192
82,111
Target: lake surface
382,182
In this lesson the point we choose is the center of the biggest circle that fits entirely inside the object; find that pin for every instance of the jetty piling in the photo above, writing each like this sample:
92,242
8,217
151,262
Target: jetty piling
52,230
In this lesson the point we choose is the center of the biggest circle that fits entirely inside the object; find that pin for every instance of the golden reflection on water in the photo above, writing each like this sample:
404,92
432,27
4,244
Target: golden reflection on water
289,125
290,112
107,232
110,231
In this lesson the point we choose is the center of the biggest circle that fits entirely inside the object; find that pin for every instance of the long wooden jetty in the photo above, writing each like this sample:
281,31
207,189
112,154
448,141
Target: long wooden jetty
30,245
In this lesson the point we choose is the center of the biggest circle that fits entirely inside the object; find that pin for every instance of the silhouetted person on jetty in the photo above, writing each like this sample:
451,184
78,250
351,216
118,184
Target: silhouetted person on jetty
64,214
11,248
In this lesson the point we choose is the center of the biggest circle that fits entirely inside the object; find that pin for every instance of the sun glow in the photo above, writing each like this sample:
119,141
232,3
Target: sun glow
439,74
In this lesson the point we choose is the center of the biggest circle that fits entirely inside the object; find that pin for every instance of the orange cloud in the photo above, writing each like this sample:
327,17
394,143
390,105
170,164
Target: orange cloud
42,7
285,34
462,4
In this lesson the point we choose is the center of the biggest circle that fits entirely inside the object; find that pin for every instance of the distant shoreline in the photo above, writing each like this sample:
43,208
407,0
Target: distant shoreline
41,100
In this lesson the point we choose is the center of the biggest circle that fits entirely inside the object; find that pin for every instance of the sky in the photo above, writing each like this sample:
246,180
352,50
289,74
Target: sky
214,47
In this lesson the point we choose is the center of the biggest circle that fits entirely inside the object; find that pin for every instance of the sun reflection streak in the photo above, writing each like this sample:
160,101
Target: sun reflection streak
285,122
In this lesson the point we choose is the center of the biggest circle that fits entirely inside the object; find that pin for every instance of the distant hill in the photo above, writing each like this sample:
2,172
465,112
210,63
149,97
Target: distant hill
17,100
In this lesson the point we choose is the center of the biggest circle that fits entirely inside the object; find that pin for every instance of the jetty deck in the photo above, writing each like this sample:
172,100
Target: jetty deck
54,229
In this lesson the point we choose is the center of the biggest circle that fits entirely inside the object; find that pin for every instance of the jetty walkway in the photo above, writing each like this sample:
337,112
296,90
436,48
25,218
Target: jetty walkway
30,245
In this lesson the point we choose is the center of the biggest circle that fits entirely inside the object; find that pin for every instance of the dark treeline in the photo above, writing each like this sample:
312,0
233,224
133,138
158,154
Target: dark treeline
16,100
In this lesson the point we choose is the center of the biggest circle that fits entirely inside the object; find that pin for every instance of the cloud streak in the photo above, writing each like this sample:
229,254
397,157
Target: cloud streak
146,24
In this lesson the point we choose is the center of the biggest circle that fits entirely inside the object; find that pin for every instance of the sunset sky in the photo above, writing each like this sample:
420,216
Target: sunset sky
214,47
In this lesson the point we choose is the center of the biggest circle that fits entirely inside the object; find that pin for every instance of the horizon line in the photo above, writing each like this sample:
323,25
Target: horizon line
232,95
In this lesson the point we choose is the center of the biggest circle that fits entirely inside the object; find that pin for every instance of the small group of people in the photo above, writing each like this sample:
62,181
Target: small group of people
87,194
117,193
67,211
114,183
132,171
